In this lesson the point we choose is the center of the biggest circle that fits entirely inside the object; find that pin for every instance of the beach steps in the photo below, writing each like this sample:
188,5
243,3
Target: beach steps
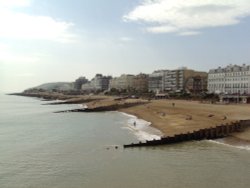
202,134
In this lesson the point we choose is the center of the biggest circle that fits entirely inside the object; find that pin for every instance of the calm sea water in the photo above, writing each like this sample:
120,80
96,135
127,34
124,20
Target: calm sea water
42,149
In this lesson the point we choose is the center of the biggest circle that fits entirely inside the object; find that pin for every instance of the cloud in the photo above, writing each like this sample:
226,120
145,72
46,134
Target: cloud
18,25
14,3
189,33
126,39
25,75
7,55
188,17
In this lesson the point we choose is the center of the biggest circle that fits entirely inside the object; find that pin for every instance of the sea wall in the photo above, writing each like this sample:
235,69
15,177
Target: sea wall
100,108
220,131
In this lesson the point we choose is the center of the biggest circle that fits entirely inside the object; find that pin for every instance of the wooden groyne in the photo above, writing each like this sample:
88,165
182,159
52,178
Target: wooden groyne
112,107
202,134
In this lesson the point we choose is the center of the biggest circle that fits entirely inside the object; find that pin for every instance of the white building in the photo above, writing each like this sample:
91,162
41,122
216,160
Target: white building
232,79
98,83
88,87
173,80
156,81
101,82
178,80
124,82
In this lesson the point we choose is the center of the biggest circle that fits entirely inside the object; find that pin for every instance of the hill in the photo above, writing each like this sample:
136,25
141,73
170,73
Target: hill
65,86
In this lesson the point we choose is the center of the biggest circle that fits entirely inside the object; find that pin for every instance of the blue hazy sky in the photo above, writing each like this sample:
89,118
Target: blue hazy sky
49,40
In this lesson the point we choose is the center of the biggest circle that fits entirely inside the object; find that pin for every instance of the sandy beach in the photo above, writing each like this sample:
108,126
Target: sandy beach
181,116
167,115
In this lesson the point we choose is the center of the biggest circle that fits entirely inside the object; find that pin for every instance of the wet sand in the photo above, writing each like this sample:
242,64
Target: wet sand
187,116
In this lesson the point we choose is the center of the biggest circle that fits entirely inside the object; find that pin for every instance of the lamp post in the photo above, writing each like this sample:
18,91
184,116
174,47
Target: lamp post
238,96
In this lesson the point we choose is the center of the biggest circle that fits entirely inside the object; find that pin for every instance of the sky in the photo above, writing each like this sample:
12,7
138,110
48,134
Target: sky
45,41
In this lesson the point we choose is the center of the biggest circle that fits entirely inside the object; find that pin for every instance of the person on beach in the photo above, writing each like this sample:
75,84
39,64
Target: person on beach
173,104
134,123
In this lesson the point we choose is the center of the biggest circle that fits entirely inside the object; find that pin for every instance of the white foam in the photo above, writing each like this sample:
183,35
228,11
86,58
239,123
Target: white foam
83,106
128,115
245,147
141,128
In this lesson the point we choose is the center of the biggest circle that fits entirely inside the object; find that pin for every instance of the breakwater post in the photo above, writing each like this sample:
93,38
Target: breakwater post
219,131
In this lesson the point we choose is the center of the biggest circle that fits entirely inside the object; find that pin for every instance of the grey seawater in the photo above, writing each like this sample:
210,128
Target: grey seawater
42,149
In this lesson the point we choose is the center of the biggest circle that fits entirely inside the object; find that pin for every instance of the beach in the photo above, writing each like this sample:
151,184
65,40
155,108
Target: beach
40,148
181,116
167,115
188,116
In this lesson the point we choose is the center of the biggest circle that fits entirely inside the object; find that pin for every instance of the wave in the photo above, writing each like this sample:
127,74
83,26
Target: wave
141,128
143,131
232,142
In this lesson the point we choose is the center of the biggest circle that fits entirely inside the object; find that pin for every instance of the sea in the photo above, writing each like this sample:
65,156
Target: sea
43,149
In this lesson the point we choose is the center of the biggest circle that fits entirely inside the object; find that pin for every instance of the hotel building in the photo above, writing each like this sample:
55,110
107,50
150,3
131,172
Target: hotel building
232,79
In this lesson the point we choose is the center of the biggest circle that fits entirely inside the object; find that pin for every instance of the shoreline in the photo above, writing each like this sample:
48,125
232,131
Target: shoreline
237,140
171,120
233,142
142,129
185,116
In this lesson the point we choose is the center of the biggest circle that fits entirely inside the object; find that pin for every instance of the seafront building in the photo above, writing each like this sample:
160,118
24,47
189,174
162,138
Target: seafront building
178,80
232,79
79,82
88,87
192,81
197,84
101,82
156,81
123,82
98,83
141,83
160,81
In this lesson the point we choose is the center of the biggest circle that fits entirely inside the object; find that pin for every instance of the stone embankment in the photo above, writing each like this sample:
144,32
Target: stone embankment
73,101
44,95
64,99
100,108
202,134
